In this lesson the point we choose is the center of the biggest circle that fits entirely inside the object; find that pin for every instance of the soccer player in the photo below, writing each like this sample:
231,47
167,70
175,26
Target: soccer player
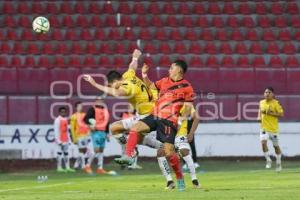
97,117
269,112
174,92
62,140
80,134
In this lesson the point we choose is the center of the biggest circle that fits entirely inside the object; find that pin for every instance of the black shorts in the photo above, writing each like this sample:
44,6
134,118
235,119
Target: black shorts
165,130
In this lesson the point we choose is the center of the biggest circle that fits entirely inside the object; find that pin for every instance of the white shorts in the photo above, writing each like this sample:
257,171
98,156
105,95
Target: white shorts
63,148
85,142
129,122
270,136
151,141
181,142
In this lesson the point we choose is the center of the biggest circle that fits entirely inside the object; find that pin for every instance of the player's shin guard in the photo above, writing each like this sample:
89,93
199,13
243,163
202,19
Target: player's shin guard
131,143
189,161
164,167
100,160
175,164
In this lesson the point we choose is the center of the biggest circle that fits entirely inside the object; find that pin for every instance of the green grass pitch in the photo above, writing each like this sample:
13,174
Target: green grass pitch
226,180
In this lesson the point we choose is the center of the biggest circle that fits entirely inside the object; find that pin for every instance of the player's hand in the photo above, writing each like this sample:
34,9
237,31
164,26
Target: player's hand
89,79
145,69
136,53
190,137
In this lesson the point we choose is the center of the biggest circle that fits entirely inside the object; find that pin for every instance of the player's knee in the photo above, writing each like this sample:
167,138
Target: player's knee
115,128
160,153
82,150
66,154
169,150
184,152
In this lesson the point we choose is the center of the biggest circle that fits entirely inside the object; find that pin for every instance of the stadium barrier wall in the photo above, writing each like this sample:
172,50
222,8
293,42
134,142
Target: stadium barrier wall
212,139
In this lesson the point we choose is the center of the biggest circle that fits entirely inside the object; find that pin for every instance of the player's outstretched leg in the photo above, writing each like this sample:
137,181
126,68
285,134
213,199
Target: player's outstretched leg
165,169
278,158
266,154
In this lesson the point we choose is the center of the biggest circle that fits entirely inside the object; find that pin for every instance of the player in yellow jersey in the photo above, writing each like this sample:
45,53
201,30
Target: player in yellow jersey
81,136
134,90
269,112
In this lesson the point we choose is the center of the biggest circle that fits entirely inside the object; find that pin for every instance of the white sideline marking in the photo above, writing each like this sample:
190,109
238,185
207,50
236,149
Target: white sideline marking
35,187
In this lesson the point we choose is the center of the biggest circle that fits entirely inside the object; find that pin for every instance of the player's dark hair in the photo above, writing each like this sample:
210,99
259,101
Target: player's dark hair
270,88
77,103
113,75
61,108
182,64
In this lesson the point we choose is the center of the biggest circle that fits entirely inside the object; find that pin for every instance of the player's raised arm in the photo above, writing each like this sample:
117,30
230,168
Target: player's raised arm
195,124
107,90
146,79
134,61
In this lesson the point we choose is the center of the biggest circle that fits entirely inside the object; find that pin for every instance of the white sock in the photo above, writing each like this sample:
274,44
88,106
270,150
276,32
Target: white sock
100,160
190,163
267,156
164,167
90,159
67,161
59,161
278,158
81,159
77,163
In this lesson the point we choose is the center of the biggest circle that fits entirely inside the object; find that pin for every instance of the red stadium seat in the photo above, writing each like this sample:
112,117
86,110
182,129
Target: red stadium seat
218,22
120,48
172,21
85,34
8,7
145,34
275,61
124,8
292,8
150,48
225,48
28,34
261,9
212,62
187,21
207,34
3,62
142,21
29,62
74,61
244,9
241,48
106,48
184,8
91,48
48,48
297,35
196,62
148,60
157,21
44,62
269,35
23,8
25,22
210,48
68,21
52,8
292,62
213,8
76,48
165,48
169,9
259,62
139,8
100,35
248,22
82,21
161,34
175,35
80,8
222,35
89,61
54,21
289,48
233,22
229,8
59,61
243,61
18,48
108,8
164,61
11,35
277,8
281,22
110,20
94,8
202,22
38,8
195,48
10,21
15,62
67,8
198,8
264,22
191,35
256,48
119,61
5,48
126,20
129,34
252,35
71,35
285,35
180,48
33,48
154,9
62,48
295,21
228,61
237,35
273,48
96,21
